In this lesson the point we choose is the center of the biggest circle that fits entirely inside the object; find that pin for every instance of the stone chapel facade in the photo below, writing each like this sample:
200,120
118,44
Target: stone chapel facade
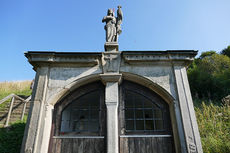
111,102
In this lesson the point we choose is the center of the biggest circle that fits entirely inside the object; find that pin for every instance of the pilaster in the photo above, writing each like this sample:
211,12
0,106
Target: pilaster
31,134
190,127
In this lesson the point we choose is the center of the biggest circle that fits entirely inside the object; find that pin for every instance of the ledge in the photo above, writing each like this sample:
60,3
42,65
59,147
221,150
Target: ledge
78,137
134,57
40,58
44,58
144,136
111,77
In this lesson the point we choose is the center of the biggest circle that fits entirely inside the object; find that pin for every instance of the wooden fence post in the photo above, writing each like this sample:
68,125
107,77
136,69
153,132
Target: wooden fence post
9,112
24,107
23,111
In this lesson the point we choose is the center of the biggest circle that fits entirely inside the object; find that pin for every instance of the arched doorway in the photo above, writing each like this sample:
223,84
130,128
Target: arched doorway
144,120
79,121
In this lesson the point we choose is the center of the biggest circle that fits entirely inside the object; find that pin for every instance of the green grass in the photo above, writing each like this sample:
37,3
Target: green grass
11,137
18,88
214,126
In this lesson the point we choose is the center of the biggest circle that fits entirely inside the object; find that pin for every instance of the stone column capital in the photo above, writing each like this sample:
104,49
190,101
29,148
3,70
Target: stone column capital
111,77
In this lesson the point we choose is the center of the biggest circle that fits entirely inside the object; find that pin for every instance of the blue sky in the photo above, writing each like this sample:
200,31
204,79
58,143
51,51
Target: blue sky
75,25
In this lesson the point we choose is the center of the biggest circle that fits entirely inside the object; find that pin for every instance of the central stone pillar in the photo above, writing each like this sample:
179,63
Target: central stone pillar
111,78
111,101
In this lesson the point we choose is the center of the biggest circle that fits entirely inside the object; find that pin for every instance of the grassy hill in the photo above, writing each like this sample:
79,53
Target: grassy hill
17,87
213,121
11,137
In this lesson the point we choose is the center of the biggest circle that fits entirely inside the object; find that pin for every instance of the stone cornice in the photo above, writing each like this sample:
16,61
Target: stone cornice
45,58
175,56
37,58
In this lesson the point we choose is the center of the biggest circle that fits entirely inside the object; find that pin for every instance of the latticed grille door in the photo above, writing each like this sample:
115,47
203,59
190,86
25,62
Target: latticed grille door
79,121
145,121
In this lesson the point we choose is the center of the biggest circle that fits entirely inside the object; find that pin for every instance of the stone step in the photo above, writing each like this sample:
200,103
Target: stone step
2,119
11,120
16,111
12,116
2,113
15,118
15,106
13,111
3,116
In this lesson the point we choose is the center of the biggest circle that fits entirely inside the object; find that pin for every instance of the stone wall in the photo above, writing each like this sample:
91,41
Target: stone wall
164,72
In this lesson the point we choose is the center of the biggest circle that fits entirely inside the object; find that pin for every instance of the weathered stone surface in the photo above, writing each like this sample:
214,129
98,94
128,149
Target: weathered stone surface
111,62
160,75
188,117
113,25
32,131
111,46
164,72
60,77
111,101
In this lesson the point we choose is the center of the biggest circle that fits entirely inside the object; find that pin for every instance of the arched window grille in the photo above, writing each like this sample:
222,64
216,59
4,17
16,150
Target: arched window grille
141,114
143,111
82,112
82,115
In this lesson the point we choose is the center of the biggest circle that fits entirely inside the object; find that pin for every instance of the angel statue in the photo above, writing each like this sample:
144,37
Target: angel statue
113,25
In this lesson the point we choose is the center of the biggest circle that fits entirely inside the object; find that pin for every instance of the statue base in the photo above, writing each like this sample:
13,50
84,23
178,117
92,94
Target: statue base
111,46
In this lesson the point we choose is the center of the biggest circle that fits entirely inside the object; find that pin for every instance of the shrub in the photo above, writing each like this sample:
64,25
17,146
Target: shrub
214,127
11,138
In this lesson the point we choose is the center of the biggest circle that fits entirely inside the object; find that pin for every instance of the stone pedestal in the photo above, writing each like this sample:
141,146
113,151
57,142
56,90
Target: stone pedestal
111,46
